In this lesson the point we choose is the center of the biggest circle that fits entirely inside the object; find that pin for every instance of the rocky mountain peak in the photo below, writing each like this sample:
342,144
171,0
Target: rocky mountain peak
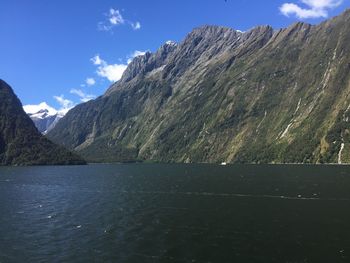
254,96
207,35
135,67
171,43
257,32
149,61
210,31
143,64
207,41
4,87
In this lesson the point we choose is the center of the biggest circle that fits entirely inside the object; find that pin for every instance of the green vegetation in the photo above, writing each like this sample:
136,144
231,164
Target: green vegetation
263,96
20,142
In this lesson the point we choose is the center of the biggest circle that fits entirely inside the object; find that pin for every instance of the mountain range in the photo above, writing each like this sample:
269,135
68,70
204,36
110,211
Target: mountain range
44,117
20,142
221,95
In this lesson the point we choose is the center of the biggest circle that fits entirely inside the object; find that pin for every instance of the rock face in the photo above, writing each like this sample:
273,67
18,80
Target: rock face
45,121
263,96
20,142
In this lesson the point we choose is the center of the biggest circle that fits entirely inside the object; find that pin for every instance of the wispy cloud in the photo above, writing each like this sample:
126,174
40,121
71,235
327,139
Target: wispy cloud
311,9
84,97
115,18
65,104
136,25
113,72
90,81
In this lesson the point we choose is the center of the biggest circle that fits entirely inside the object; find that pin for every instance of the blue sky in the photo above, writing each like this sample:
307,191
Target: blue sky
49,49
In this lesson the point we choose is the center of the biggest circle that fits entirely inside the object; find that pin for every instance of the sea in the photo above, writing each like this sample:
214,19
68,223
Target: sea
175,213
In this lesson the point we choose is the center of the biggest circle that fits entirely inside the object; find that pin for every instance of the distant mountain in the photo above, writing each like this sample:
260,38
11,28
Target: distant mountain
44,119
20,142
261,96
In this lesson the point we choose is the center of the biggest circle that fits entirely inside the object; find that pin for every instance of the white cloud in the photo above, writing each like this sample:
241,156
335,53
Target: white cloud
313,9
322,3
115,18
31,109
293,9
96,60
113,72
83,96
65,104
136,25
90,81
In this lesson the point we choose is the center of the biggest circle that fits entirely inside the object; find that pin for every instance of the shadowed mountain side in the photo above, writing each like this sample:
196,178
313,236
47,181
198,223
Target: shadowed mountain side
20,142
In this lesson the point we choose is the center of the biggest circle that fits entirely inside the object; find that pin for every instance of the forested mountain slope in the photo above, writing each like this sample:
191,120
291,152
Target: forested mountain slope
262,96
20,142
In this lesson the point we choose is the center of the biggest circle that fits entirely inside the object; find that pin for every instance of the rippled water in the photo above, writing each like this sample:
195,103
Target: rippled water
175,213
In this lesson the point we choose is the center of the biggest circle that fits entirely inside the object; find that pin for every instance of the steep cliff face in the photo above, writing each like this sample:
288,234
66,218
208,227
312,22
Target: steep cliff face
223,95
20,142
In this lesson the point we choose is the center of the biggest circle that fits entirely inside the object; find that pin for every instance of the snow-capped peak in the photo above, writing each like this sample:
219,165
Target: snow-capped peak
41,114
171,43
44,116
40,109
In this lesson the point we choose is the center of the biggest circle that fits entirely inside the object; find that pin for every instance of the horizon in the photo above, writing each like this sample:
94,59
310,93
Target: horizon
110,34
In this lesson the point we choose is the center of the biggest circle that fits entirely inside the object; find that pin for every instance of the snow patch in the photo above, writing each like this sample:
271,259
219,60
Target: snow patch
171,43
33,109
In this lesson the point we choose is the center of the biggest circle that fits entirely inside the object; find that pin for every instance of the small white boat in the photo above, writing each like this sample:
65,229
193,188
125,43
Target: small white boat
223,163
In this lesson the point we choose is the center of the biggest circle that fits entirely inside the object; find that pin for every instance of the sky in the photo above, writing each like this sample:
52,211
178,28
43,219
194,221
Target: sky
64,52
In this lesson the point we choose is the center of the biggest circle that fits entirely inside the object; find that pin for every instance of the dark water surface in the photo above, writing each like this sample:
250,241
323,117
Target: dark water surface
175,213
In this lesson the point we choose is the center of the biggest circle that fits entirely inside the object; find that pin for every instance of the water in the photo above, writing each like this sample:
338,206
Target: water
175,213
